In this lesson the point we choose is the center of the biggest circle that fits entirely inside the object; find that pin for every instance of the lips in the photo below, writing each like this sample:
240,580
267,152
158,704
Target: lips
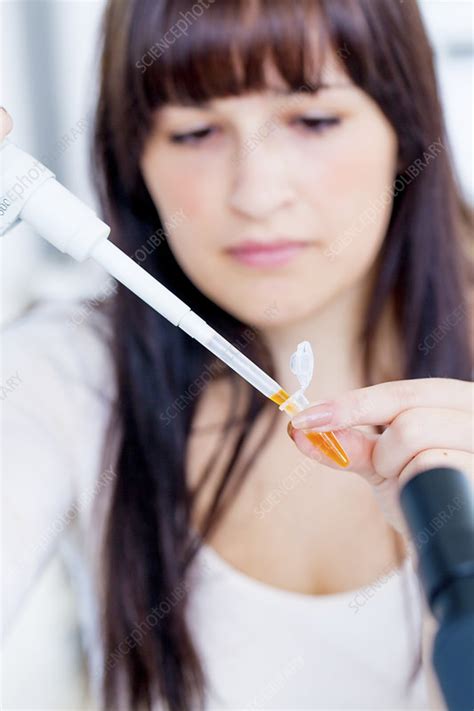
267,254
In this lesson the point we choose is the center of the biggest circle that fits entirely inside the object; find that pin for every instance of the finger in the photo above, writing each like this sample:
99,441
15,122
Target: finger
358,446
432,458
380,404
6,123
417,430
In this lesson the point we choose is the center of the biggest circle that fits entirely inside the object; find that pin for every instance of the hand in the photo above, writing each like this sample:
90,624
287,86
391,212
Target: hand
6,123
428,423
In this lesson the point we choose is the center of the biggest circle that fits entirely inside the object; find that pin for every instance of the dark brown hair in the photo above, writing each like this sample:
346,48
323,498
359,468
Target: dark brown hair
148,544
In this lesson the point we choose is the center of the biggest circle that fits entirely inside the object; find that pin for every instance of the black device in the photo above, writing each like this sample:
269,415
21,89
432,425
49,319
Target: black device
438,506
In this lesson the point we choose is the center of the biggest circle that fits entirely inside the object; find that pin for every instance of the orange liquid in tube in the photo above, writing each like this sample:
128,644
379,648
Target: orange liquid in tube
327,442
280,397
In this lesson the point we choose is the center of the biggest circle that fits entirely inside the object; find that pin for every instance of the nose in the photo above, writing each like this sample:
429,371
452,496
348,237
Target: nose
261,182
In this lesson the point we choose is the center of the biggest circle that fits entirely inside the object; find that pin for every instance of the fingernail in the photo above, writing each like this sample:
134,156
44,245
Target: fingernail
321,414
290,429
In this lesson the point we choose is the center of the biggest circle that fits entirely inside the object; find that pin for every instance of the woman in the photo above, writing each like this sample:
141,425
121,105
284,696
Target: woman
283,168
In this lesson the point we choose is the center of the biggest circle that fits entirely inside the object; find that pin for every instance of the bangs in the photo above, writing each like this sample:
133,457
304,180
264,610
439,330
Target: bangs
188,55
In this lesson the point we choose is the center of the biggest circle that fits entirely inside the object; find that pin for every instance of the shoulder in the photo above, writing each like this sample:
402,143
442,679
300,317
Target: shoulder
58,386
60,340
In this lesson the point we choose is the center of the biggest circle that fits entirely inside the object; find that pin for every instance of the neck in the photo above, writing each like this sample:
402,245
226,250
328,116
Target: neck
333,331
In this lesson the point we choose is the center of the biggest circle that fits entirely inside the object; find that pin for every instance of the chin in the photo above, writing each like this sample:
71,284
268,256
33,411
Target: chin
266,301
276,311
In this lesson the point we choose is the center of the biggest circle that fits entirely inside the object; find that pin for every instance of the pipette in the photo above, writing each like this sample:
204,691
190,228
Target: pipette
30,192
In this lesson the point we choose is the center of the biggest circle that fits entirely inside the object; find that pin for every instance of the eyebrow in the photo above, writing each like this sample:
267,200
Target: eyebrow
314,87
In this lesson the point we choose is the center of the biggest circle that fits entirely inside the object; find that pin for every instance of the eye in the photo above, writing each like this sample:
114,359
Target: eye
192,136
318,124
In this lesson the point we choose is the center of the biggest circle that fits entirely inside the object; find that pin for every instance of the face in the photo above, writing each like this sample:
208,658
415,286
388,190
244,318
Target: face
284,195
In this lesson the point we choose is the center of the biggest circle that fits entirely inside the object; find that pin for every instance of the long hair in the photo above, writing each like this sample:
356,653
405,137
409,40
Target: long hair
148,544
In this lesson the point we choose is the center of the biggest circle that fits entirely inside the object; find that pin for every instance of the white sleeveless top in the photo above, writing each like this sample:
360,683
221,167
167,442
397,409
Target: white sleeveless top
267,648
261,647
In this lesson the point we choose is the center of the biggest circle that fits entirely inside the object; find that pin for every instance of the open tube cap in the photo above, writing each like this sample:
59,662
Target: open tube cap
301,365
